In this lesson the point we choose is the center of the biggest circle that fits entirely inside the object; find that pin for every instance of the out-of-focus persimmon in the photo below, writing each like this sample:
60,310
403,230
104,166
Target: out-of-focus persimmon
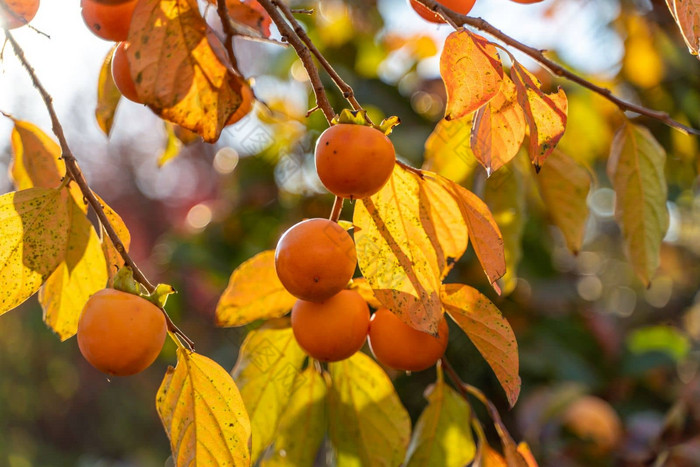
18,12
460,6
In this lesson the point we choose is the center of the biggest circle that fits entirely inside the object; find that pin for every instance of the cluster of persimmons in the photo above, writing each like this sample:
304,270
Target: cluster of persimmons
121,333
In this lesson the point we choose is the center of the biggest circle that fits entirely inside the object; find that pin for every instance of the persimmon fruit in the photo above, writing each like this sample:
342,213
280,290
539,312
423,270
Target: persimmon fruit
526,1
20,12
120,333
460,6
354,161
399,346
121,73
108,20
315,259
332,330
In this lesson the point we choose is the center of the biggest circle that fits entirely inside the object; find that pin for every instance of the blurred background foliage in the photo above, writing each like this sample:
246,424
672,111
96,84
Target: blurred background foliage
610,369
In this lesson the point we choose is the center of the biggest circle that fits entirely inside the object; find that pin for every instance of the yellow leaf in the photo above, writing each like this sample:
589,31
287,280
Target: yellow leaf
499,129
82,273
114,260
636,169
108,95
361,286
406,236
488,330
526,454
268,363
545,114
687,16
180,67
564,186
303,424
642,64
442,436
447,150
472,72
484,233
505,196
34,227
254,292
368,424
203,414
173,145
36,158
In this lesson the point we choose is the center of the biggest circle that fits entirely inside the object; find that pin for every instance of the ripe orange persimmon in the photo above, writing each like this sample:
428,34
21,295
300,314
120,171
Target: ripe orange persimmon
354,161
20,12
334,329
399,346
108,20
121,72
119,333
460,6
315,259
527,1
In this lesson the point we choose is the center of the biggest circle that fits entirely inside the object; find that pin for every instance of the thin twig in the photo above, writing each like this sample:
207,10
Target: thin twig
74,172
229,31
302,11
304,54
337,207
344,87
457,19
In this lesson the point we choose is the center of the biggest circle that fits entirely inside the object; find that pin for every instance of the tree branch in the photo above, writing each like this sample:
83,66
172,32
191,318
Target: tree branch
337,207
344,87
229,30
456,19
76,174
290,36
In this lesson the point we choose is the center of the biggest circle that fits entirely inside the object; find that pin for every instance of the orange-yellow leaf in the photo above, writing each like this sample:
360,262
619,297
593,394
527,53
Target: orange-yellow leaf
108,95
499,128
545,114
488,330
407,236
254,292
82,273
36,158
564,186
180,67
447,150
34,226
484,233
636,169
268,364
203,414
112,256
472,72
687,16
526,453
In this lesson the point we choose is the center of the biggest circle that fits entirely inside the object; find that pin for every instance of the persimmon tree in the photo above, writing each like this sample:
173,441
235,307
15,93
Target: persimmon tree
303,379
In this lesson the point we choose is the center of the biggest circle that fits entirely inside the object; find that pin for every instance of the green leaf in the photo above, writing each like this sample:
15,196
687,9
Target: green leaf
636,169
203,414
659,338
108,95
368,425
489,331
254,292
564,186
82,273
505,196
268,363
34,225
442,436
303,425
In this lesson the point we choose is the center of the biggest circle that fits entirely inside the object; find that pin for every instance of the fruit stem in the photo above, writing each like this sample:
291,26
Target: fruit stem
73,171
337,208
